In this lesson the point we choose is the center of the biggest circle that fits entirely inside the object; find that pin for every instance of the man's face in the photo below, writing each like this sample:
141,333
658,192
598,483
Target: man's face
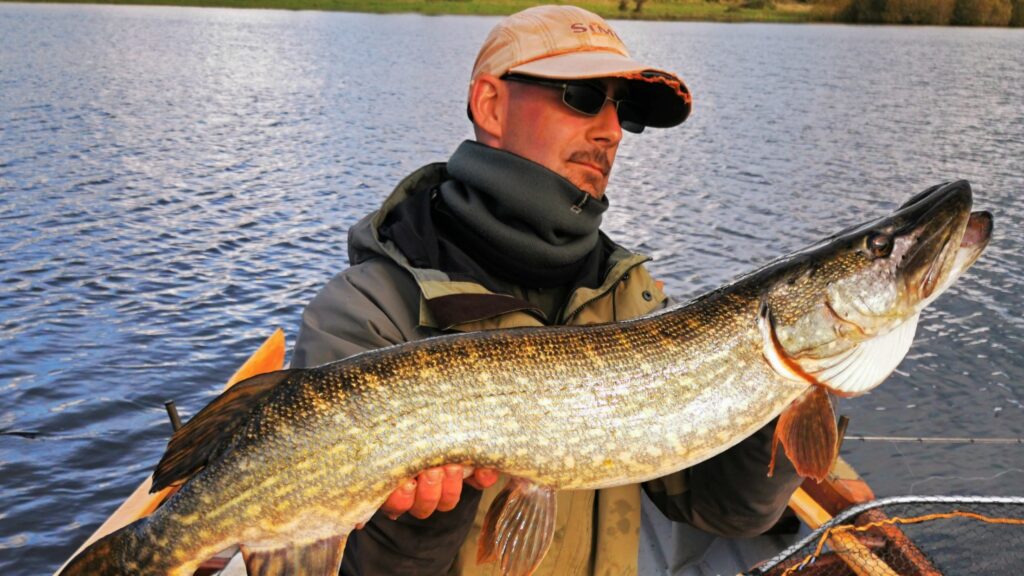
581,148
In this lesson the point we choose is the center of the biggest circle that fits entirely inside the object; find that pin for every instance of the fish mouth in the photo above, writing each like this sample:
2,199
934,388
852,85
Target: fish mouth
948,238
975,238
978,232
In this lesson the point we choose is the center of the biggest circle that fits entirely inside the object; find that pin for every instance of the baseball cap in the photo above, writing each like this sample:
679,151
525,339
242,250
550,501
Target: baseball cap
570,43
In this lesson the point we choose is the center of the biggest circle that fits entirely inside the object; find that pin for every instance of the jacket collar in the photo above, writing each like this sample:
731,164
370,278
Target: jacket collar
446,303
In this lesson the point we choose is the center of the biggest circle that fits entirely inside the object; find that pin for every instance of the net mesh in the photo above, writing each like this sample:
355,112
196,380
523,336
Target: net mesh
909,536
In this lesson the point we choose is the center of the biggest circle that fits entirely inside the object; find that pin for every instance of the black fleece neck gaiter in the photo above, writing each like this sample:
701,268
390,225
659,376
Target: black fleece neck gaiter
519,219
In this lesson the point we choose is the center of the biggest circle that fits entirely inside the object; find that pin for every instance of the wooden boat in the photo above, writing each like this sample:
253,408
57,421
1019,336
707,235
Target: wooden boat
813,503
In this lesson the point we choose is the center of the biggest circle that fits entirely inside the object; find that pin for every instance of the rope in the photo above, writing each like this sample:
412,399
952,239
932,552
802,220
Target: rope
892,521
853,511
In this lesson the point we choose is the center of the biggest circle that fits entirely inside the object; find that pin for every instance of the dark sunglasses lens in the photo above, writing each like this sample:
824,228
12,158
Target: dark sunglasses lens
583,98
630,117
589,99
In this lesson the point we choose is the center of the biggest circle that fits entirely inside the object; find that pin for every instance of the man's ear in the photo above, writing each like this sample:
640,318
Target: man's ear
487,102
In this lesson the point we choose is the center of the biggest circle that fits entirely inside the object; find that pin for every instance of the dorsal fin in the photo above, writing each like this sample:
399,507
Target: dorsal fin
208,432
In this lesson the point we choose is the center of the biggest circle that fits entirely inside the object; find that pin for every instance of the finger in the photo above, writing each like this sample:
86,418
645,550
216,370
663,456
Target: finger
401,500
451,488
428,493
482,478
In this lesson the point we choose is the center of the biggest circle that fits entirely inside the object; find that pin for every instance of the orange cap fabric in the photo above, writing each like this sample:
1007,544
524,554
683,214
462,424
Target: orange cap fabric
570,43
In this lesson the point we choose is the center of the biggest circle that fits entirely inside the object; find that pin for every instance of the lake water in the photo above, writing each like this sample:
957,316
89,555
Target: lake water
174,183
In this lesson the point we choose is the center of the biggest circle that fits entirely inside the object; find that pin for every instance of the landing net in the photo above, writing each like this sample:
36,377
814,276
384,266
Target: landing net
911,536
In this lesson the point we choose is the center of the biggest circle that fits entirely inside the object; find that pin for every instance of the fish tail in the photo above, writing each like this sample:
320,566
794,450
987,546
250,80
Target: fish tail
120,552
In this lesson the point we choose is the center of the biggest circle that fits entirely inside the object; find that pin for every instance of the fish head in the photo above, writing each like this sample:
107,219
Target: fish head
843,313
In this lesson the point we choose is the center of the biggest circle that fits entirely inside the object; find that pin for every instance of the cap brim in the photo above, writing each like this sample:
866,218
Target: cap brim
663,95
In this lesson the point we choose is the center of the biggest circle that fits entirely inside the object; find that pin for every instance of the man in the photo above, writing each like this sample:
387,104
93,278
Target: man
506,234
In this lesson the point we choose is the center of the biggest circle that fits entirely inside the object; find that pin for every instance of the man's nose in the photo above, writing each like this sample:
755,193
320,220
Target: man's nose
606,126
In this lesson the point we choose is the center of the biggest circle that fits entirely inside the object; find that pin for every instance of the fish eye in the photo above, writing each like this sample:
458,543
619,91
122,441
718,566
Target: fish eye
879,245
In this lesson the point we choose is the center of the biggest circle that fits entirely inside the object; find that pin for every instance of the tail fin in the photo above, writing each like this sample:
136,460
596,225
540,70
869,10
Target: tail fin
115,554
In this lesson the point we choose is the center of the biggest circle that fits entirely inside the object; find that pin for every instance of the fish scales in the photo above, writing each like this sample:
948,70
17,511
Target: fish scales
552,402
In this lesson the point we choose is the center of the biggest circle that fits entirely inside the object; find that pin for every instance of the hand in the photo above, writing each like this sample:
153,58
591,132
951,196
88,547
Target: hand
435,489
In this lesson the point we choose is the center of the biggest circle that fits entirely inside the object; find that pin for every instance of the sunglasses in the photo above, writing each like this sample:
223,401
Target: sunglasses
588,98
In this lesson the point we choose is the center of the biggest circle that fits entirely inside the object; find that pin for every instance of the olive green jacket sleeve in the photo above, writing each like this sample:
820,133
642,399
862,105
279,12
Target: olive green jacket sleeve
372,305
368,306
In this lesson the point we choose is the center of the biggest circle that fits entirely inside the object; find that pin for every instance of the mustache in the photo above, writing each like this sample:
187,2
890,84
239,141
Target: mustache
595,157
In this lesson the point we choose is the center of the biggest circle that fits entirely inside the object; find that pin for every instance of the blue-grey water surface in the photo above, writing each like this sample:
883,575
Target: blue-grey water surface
176,182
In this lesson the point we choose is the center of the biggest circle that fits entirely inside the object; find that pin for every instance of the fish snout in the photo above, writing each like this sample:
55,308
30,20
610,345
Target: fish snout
936,194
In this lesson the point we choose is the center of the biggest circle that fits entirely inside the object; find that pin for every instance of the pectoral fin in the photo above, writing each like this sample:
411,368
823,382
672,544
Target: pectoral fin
807,427
322,558
518,528
807,431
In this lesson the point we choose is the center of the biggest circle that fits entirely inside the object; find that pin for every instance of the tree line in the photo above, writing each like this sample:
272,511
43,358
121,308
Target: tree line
934,12
930,12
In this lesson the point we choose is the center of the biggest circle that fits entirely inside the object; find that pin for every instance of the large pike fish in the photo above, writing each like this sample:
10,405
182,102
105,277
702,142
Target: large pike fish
286,464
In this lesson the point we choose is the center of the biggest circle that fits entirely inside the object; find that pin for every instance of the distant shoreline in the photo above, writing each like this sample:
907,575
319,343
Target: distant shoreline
942,12
673,10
